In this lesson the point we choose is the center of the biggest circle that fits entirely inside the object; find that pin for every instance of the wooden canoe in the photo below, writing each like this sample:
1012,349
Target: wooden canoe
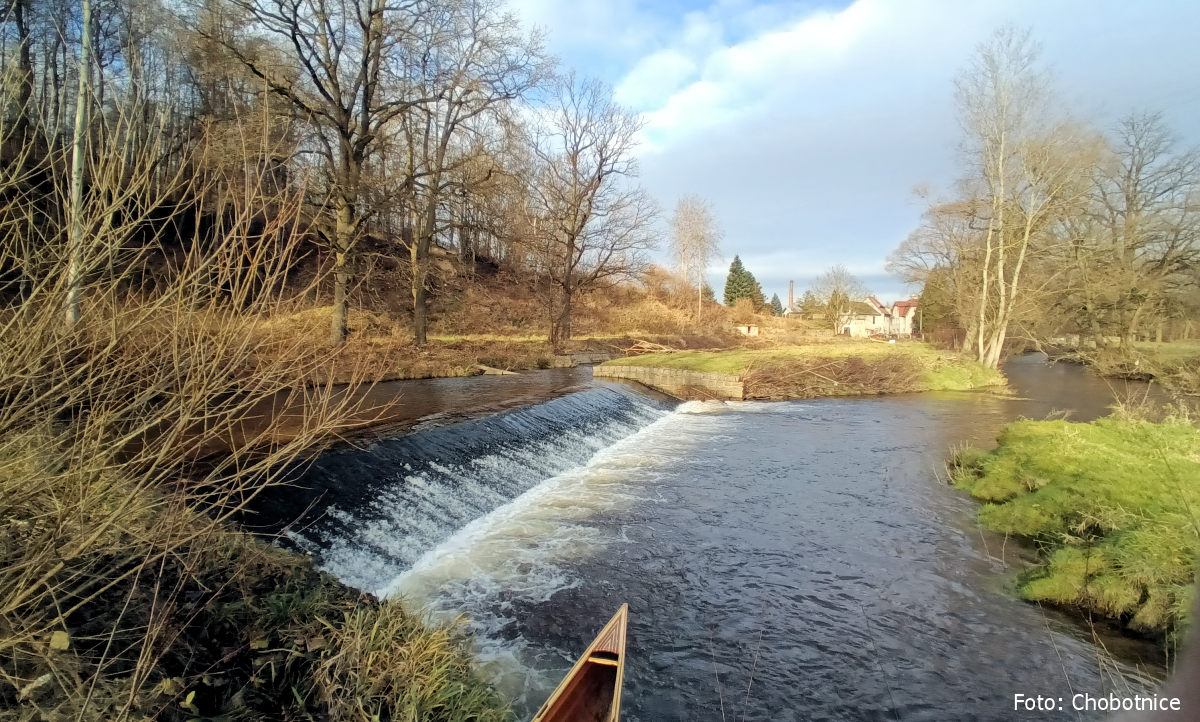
591,691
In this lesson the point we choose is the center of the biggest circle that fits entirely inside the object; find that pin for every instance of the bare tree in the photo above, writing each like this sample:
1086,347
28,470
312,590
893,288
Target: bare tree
351,55
695,240
474,63
944,257
590,225
75,209
1147,218
1025,171
838,289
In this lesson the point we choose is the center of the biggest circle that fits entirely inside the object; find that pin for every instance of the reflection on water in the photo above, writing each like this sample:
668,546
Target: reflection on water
797,560
1072,389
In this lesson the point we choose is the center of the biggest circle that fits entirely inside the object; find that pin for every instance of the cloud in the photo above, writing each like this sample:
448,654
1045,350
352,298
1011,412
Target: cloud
807,127
655,75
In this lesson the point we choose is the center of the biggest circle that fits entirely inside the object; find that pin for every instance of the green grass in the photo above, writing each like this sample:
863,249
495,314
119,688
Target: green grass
1170,352
1112,503
939,370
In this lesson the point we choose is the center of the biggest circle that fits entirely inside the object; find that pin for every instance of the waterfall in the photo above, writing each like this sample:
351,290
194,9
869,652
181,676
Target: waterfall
369,514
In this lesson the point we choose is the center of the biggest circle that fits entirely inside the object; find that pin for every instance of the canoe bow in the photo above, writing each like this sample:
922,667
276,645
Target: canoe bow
591,691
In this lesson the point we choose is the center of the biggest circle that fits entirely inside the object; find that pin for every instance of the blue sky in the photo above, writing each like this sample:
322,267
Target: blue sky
808,124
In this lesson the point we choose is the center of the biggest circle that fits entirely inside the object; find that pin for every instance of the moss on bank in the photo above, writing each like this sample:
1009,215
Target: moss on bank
1113,506
834,368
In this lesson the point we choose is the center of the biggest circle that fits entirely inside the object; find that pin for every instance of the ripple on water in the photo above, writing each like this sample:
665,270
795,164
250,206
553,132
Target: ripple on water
781,561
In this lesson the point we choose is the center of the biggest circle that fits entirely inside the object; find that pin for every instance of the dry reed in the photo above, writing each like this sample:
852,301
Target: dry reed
119,562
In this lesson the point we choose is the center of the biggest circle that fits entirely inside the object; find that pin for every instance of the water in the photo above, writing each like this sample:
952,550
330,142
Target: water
379,510
796,560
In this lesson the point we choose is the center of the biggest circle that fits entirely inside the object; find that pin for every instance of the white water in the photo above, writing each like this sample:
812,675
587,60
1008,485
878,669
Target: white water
524,550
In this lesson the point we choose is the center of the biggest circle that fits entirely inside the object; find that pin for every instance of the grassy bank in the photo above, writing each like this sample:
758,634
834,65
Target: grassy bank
252,632
1112,505
833,367
1172,364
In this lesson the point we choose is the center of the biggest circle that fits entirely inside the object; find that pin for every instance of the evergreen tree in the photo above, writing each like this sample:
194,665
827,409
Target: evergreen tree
810,304
776,305
740,283
737,283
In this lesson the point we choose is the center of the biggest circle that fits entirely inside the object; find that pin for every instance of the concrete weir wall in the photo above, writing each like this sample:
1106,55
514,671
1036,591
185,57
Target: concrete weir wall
687,385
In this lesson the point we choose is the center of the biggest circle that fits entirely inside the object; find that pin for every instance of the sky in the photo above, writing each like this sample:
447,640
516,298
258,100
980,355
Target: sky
809,125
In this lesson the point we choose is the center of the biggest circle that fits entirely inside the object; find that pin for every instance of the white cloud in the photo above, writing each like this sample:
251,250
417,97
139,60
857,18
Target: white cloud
655,76
807,129
744,77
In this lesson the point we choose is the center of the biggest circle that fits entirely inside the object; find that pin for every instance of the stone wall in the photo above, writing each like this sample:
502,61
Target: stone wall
688,385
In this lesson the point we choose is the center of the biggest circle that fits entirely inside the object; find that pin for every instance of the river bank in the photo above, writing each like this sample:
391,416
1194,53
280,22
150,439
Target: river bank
1174,365
1111,505
821,367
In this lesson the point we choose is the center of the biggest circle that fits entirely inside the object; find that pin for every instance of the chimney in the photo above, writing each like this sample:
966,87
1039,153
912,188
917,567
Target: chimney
791,295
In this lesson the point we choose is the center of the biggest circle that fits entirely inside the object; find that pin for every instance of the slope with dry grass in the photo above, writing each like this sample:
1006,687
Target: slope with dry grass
493,319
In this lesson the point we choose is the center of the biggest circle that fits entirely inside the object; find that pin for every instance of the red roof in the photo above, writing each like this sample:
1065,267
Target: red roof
903,307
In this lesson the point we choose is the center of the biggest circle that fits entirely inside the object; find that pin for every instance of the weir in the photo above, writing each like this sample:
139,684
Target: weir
368,514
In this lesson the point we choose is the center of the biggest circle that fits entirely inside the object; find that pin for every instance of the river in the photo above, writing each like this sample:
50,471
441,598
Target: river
794,560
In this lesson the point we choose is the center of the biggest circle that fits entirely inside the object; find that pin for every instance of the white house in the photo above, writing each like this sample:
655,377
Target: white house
870,317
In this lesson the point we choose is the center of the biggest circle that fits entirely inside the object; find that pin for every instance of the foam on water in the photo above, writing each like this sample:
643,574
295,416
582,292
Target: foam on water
410,496
521,552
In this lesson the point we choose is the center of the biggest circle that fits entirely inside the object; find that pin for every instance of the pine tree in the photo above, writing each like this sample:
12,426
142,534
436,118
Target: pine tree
740,283
810,304
776,305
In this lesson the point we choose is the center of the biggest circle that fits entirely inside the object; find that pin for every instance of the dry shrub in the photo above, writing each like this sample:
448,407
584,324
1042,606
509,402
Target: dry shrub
805,378
118,561
667,286
313,324
744,312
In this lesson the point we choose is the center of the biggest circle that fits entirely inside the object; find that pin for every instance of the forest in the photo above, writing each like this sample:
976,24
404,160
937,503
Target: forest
364,138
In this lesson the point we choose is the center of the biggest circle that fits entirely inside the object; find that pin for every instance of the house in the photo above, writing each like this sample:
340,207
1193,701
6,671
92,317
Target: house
904,317
870,317
863,319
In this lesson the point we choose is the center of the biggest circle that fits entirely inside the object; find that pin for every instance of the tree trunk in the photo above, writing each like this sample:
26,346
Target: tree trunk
419,264
20,13
995,347
560,324
341,277
75,239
